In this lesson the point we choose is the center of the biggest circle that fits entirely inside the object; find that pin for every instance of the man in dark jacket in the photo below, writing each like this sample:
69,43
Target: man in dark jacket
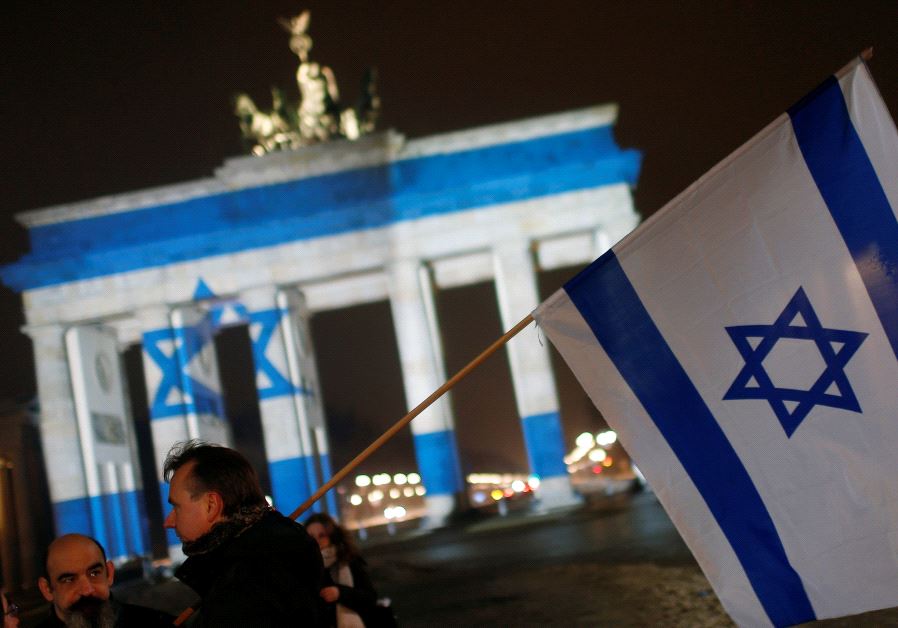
250,565
77,583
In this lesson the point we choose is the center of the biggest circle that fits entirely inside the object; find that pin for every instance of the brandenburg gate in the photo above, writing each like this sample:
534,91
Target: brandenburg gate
269,241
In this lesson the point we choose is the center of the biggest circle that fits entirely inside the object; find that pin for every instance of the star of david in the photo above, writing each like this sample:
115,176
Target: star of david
836,347
263,324
199,397
278,384
167,362
163,347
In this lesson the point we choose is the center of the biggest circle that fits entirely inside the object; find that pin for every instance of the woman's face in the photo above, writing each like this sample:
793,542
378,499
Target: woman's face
317,532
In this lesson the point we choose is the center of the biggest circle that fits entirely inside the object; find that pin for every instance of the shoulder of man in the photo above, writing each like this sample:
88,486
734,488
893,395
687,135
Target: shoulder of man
277,534
272,540
273,573
261,591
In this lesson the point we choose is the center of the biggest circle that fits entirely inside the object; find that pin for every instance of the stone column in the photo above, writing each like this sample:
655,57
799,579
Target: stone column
132,496
108,449
420,355
168,413
194,332
288,445
303,369
531,372
113,507
614,230
72,507
126,475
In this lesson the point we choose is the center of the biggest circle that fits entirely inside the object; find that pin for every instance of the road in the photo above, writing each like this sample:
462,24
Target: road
613,561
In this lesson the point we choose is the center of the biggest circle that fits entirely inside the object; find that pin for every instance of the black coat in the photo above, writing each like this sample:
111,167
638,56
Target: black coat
129,616
360,597
269,575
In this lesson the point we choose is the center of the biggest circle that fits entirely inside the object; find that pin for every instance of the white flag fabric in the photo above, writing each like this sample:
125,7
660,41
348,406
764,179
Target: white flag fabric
743,343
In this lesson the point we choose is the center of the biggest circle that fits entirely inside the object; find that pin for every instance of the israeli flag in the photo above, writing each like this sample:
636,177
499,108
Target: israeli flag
743,343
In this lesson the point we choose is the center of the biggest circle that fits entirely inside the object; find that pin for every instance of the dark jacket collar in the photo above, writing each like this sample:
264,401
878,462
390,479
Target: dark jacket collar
269,536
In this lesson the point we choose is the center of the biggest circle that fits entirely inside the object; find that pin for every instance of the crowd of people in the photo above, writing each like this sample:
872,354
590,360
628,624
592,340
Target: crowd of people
248,564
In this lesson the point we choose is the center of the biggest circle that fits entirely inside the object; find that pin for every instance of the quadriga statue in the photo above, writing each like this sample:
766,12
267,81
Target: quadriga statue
318,117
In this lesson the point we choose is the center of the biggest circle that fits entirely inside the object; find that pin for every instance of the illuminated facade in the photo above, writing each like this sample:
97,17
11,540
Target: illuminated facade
268,242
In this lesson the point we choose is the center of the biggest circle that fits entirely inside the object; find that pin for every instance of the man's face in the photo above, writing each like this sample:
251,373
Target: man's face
191,515
78,578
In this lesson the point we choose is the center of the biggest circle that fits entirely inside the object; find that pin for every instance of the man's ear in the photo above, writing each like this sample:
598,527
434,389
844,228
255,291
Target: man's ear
44,585
110,572
214,507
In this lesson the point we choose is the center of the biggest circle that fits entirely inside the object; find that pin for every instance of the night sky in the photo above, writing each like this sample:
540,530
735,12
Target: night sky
100,98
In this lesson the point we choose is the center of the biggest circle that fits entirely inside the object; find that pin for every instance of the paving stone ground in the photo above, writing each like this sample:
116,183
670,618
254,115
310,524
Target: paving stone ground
636,579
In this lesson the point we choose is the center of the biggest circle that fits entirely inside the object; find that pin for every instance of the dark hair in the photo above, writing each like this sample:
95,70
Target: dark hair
89,538
340,538
216,468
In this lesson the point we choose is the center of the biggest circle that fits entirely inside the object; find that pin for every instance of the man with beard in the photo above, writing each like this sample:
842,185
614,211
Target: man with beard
77,583
250,565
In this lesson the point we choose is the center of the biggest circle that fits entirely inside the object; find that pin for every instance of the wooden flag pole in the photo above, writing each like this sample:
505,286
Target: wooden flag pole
390,433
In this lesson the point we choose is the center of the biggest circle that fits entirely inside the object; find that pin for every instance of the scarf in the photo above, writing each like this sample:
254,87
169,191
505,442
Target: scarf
225,530
329,556
341,575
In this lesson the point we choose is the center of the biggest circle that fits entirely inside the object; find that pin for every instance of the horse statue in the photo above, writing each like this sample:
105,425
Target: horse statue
269,131
318,117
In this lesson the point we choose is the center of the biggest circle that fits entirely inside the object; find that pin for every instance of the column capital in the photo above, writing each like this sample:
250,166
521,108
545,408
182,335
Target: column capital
53,333
257,298
293,299
514,244
128,331
405,278
418,339
156,316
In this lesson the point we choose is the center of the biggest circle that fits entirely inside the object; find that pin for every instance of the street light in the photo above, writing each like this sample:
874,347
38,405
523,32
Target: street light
585,440
597,455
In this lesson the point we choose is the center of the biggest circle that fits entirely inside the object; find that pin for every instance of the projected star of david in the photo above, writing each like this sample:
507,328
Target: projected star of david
163,347
262,327
836,347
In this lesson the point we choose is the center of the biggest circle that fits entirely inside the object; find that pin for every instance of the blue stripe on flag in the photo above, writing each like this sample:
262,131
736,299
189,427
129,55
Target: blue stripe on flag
848,183
609,304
